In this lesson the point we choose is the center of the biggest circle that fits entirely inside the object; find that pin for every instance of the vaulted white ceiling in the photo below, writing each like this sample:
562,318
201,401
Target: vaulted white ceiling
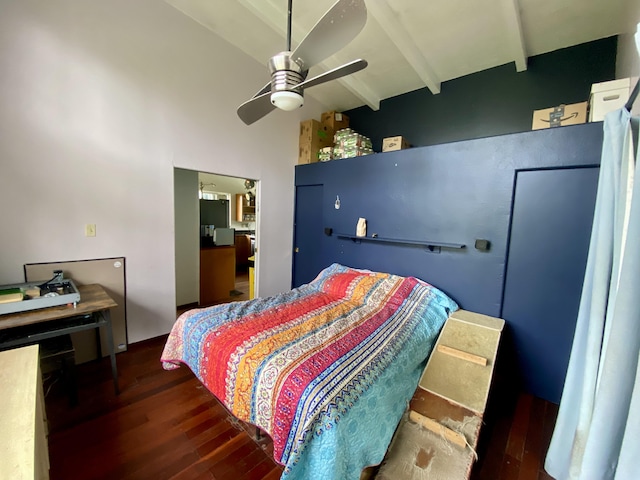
412,44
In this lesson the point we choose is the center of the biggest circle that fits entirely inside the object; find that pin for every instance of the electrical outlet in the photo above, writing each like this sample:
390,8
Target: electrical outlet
90,230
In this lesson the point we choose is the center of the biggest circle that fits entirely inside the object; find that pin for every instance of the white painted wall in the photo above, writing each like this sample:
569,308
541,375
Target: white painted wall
98,102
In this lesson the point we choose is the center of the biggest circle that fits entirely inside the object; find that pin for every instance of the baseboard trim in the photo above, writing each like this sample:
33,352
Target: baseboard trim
187,306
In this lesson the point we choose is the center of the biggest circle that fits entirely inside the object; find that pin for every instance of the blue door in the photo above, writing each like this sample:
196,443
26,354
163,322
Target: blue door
549,242
308,231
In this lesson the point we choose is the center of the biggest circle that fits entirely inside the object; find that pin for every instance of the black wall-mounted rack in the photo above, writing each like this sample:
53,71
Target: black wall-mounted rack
432,246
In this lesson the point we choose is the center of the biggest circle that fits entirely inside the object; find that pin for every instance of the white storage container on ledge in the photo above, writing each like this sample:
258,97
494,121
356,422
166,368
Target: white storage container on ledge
609,96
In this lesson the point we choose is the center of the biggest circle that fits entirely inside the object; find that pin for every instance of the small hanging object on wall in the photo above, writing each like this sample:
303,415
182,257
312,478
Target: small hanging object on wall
361,228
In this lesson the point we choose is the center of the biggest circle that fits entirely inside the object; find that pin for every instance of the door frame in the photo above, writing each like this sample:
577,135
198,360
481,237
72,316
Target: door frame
194,230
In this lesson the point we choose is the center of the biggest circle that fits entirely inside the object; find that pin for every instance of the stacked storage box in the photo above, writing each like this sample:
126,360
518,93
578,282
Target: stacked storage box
391,144
348,143
313,136
559,116
330,138
335,120
609,96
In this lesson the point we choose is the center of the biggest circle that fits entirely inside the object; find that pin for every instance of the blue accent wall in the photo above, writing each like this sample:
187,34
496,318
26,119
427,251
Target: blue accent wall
457,193
480,173
493,102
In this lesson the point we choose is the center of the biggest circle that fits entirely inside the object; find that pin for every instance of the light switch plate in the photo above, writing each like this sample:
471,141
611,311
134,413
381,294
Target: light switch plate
90,230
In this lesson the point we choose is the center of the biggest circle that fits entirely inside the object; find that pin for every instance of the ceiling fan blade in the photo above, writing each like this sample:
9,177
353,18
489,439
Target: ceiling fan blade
341,24
346,69
265,89
256,108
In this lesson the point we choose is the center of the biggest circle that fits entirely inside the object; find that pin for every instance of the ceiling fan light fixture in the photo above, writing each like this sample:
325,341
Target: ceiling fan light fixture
287,100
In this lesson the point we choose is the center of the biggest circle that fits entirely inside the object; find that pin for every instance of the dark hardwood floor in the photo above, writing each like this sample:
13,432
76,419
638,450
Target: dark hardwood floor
165,424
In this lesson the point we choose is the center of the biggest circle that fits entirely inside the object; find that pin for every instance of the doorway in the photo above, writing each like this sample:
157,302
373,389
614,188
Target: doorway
201,263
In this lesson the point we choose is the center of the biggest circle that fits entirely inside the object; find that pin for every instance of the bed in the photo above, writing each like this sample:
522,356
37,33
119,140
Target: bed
326,369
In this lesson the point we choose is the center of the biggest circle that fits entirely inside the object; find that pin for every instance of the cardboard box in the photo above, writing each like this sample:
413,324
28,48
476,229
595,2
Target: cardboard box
560,116
446,413
307,153
313,136
314,133
335,120
390,144
607,97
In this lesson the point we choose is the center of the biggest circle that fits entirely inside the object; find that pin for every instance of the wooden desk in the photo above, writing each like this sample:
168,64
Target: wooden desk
23,436
92,311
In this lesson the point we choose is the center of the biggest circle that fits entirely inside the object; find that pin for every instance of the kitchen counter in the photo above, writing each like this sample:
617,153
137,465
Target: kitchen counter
245,246
217,273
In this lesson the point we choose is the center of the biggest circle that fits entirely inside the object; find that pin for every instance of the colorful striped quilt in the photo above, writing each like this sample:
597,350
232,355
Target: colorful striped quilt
325,369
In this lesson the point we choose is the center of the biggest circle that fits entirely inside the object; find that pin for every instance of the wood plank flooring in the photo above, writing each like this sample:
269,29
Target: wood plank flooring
166,425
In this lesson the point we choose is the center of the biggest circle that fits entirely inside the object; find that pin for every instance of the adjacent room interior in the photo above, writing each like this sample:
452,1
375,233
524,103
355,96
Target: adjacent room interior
215,218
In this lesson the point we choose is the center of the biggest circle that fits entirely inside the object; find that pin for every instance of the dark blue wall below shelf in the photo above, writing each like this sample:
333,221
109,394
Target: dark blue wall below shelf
452,193
493,102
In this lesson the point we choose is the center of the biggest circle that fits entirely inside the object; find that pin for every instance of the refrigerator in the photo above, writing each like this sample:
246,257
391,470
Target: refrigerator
214,212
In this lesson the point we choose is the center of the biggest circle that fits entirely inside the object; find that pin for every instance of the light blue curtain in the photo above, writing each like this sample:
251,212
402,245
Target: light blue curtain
597,432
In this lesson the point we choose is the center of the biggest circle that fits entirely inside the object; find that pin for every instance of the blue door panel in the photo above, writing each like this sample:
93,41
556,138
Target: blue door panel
308,233
549,243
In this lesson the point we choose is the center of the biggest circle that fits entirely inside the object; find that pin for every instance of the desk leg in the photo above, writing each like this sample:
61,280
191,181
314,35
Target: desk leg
112,352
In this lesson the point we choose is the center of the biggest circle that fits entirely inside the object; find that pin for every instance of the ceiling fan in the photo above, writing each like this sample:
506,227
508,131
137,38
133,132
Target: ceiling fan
289,69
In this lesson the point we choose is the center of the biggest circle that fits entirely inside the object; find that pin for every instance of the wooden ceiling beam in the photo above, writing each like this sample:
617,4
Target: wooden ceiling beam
269,14
400,37
515,35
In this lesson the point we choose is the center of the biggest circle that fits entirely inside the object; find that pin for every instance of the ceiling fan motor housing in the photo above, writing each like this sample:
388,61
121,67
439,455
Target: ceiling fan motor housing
286,74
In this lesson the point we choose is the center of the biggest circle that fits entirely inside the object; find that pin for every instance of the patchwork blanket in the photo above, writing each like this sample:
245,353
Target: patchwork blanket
325,369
